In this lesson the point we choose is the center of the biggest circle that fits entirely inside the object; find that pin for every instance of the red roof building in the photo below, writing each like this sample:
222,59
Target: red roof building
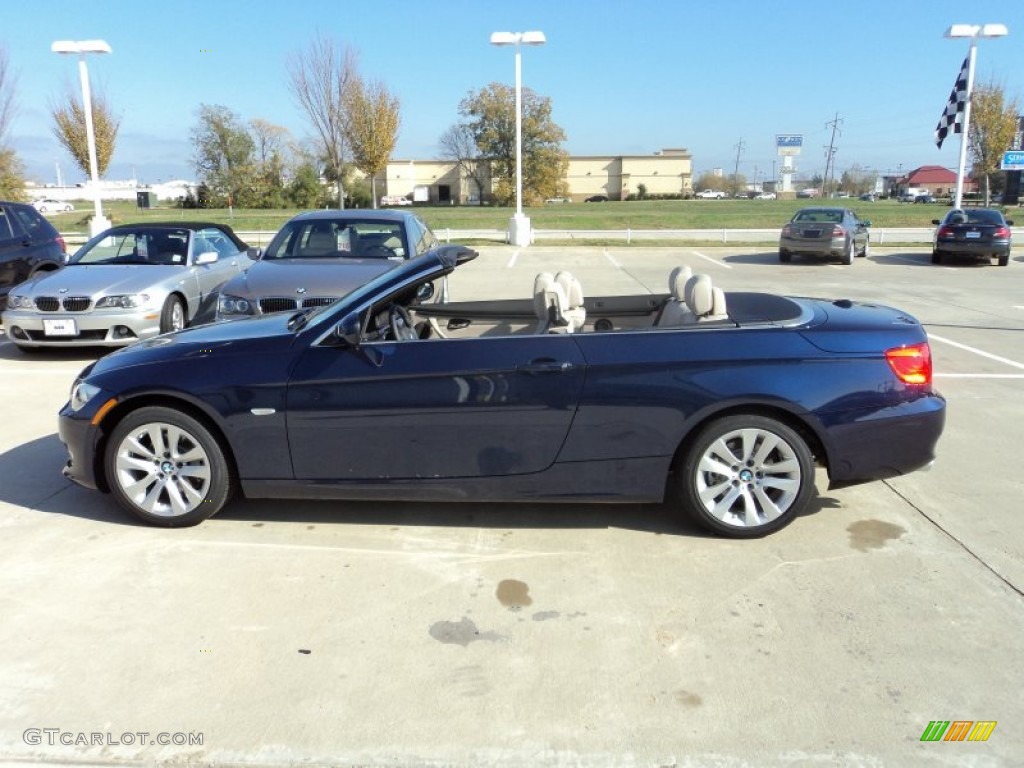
936,179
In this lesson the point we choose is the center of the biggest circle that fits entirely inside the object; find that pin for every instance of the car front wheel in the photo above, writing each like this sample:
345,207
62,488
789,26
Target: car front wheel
745,476
167,468
172,316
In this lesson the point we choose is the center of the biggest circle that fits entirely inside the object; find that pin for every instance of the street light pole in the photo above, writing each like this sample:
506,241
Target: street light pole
972,31
519,225
98,222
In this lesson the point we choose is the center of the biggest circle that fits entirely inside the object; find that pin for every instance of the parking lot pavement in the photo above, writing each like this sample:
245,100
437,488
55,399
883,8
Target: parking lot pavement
539,635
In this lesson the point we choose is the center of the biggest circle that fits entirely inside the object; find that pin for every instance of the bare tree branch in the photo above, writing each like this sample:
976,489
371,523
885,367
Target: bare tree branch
319,79
7,84
459,144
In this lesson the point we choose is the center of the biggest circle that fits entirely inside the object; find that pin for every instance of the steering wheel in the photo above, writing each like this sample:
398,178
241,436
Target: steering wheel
377,252
400,321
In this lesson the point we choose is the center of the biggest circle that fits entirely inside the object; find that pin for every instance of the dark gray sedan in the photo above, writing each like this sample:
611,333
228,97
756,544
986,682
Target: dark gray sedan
320,256
826,233
978,233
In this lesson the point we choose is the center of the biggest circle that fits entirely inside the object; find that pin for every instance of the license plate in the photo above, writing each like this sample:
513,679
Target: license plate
60,327
812,233
972,235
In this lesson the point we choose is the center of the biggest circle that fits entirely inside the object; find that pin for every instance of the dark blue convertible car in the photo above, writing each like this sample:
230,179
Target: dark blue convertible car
722,403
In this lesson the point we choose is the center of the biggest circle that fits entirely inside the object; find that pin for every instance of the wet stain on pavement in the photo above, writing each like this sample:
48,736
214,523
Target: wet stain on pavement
513,594
687,699
461,632
866,535
545,615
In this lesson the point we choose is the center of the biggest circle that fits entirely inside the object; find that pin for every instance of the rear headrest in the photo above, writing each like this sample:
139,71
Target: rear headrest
699,295
677,282
542,284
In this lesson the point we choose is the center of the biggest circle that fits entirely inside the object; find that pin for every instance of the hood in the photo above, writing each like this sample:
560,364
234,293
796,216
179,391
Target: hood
102,279
306,277
257,335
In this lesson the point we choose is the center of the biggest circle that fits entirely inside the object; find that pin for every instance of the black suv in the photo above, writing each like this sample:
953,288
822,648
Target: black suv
29,244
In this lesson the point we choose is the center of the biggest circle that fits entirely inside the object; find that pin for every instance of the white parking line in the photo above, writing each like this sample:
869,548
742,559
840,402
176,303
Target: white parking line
976,351
612,259
979,375
512,261
713,261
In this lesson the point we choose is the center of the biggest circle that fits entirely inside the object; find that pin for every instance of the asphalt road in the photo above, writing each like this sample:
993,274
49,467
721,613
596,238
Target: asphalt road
381,634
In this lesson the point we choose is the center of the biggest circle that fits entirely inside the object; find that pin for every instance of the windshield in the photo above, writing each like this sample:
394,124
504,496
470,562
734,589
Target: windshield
338,238
160,246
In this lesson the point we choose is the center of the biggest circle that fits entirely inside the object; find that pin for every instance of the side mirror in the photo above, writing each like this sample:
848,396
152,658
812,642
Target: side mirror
866,222
425,292
936,222
1009,222
350,330
208,257
253,252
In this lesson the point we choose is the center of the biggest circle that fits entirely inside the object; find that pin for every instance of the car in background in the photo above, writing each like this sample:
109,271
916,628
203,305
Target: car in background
597,199
128,283
809,192
976,233
29,246
927,197
765,196
57,206
710,194
558,200
319,256
824,232
868,197
395,200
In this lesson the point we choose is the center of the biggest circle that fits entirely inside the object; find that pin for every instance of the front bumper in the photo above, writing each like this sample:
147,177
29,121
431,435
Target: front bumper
99,328
83,442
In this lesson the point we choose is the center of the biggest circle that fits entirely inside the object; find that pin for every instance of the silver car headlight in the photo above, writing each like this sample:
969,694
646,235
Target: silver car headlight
81,393
19,302
125,301
234,305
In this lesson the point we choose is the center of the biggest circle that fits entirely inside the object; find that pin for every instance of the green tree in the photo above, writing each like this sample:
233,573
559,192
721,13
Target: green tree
993,125
373,121
69,128
711,180
491,118
224,156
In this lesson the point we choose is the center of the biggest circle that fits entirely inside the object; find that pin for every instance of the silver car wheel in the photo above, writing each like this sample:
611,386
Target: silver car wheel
748,477
177,317
162,469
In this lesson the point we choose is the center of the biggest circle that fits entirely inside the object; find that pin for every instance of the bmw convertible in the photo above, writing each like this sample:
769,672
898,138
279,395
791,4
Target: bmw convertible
720,403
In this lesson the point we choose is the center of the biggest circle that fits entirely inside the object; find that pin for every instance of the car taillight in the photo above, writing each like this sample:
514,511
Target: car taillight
913,364
62,244
945,232
1001,232
838,231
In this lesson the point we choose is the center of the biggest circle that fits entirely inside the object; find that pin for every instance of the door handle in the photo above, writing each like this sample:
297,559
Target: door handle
535,367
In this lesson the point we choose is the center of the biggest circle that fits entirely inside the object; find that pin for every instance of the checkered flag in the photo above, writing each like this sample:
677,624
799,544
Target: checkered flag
952,120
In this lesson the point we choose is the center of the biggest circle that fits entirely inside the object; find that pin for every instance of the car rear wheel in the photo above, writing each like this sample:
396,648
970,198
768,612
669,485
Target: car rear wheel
867,247
745,476
172,316
847,257
936,257
1004,259
785,256
166,468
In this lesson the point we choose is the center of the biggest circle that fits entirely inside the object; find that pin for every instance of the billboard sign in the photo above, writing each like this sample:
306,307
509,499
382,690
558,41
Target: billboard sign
788,144
1012,161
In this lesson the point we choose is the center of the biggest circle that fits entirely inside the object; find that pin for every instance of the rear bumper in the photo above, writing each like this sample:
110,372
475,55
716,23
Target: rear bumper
972,250
805,247
886,443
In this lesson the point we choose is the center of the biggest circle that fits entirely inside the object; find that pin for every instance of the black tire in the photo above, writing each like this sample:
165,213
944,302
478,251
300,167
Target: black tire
936,257
778,485
785,256
1004,259
847,256
172,316
867,247
147,481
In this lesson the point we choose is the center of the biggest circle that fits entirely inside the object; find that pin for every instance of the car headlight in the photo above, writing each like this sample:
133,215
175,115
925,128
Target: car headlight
234,305
126,301
81,393
19,302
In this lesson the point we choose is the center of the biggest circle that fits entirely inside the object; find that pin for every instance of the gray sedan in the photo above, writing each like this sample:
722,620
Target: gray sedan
824,232
128,283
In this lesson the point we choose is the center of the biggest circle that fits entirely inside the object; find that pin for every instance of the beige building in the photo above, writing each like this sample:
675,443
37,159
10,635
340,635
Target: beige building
668,172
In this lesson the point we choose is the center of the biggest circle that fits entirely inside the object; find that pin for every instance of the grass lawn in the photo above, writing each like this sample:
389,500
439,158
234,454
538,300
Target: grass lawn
660,214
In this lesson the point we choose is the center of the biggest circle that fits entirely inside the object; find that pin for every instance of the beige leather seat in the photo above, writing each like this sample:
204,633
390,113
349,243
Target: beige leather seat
675,311
574,313
704,300
548,304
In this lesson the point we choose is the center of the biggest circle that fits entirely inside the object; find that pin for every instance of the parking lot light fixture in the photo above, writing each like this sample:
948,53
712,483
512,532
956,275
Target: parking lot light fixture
972,32
82,47
519,226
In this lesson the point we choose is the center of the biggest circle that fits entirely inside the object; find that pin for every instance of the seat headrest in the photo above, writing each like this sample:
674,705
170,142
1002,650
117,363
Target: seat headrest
572,288
677,282
699,295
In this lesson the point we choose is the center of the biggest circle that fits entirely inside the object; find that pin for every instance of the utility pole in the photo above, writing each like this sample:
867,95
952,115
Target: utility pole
830,151
736,171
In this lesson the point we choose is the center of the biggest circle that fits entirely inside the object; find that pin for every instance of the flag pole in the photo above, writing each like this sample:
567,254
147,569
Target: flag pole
958,200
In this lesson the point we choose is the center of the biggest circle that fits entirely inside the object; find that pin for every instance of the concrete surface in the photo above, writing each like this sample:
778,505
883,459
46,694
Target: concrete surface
363,634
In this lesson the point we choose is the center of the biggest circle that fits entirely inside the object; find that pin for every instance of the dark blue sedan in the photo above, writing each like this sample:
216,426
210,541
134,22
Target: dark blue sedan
722,402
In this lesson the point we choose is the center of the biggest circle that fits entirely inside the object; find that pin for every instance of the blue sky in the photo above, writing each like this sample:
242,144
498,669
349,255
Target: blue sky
624,77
